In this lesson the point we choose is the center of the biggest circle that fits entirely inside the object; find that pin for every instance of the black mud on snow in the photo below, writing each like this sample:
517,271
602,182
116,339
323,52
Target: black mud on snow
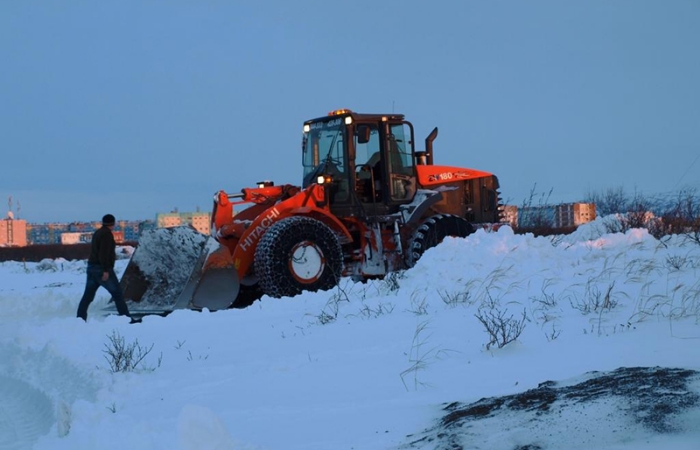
640,399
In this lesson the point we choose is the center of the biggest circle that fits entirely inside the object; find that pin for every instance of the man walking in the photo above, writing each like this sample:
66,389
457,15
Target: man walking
100,270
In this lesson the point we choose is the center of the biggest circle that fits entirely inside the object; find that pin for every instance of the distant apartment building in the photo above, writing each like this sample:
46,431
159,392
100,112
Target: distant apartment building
168,220
13,232
200,221
83,227
47,233
575,214
133,229
72,237
564,215
80,232
510,215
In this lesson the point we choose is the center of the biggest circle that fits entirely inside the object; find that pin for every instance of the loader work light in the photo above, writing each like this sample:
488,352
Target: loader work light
307,128
324,179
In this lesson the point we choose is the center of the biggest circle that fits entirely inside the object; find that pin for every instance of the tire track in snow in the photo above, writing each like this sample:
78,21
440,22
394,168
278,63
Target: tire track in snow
25,414
32,384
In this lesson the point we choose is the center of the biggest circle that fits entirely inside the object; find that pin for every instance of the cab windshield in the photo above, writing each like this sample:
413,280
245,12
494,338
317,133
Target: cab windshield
323,149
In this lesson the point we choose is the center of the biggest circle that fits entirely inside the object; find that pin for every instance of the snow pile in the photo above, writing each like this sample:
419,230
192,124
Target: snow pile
164,261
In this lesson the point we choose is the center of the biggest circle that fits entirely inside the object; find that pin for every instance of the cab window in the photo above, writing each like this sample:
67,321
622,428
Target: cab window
400,159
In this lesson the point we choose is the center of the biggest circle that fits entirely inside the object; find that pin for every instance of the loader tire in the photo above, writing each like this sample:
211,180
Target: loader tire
432,231
247,295
298,254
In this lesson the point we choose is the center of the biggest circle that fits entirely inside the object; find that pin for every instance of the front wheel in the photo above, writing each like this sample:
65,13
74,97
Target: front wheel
298,254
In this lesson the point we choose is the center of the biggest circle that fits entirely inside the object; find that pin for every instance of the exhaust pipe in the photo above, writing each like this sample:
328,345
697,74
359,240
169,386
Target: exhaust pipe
429,145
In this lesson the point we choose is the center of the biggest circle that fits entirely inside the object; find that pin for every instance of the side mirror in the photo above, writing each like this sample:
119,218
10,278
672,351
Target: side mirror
362,132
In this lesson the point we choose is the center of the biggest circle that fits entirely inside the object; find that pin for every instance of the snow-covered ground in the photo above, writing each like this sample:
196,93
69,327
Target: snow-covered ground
367,366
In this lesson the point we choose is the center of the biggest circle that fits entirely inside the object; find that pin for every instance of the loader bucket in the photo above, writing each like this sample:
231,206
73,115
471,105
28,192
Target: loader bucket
176,268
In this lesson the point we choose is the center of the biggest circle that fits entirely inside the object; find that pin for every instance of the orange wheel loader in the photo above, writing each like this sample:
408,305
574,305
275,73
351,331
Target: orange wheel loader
369,204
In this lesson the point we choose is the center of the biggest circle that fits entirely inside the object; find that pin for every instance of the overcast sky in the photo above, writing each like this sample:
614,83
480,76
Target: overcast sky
139,107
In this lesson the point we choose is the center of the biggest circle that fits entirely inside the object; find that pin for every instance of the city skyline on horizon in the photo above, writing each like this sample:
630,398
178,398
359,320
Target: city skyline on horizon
15,215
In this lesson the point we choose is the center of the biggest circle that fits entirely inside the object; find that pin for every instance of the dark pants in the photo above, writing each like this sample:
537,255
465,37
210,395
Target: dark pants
94,281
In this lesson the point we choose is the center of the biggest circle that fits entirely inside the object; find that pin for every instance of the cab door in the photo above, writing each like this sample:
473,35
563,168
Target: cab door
368,163
400,165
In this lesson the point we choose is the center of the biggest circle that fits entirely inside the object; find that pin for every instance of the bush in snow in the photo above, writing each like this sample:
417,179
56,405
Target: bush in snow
453,299
609,201
594,300
502,330
391,281
419,304
420,357
369,312
123,357
681,215
661,215
332,308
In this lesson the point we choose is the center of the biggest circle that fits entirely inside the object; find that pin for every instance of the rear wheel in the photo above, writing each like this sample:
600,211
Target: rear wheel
431,232
298,254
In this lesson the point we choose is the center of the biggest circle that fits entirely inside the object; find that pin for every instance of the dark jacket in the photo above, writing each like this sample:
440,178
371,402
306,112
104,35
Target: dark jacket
103,249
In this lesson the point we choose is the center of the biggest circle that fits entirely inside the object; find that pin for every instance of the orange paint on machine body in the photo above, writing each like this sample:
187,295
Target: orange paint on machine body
241,232
437,175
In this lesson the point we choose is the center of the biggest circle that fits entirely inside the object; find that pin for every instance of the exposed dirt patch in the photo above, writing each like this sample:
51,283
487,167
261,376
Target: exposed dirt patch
648,398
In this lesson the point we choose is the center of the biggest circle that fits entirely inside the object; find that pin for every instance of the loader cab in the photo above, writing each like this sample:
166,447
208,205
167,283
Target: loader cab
370,159
324,156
